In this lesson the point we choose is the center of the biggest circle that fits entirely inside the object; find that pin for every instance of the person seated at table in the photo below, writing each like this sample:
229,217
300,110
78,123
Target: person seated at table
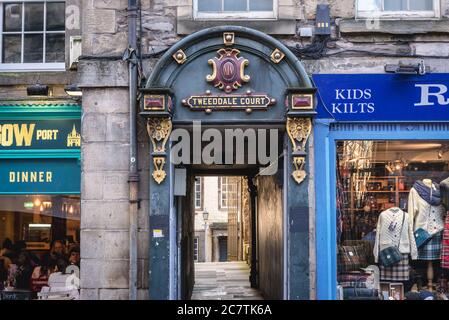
8,250
24,271
74,256
56,256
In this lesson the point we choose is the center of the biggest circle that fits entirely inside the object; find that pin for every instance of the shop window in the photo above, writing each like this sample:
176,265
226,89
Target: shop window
227,193
32,35
195,249
398,8
386,191
235,9
198,193
40,235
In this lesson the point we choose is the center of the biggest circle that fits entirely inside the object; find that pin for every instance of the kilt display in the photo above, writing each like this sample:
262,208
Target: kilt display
432,249
445,245
398,272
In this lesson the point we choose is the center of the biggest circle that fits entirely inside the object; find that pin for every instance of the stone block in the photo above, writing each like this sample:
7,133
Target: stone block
89,294
91,271
184,12
115,186
102,73
342,8
93,127
117,128
105,157
104,214
116,273
92,244
91,184
114,294
116,244
110,4
107,44
112,100
431,49
99,21
290,12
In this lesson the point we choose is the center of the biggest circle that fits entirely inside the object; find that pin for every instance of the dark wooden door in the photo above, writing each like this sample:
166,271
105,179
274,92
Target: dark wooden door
223,249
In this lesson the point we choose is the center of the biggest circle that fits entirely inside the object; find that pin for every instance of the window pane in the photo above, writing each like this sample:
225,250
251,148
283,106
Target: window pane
395,5
422,5
378,183
34,16
12,17
55,16
55,48
209,5
369,5
33,48
235,5
260,5
11,48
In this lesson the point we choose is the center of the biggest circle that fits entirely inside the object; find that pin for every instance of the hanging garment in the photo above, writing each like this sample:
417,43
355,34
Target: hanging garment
398,272
394,228
432,249
445,245
425,208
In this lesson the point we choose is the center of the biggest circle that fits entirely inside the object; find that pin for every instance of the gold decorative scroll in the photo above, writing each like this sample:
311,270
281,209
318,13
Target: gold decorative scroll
299,174
299,130
159,130
159,172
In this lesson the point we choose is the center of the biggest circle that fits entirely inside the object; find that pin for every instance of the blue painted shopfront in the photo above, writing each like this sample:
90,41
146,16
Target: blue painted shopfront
367,107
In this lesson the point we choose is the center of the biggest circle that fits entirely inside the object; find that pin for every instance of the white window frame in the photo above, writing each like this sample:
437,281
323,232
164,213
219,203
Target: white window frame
236,15
398,15
200,181
196,246
29,67
230,181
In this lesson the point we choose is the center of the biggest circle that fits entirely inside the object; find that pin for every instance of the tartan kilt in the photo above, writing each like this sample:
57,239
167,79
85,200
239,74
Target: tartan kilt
432,249
445,245
398,272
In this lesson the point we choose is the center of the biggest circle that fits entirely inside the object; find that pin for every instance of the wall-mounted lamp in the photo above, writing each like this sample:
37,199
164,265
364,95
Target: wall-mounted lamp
38,90
401,68
73,90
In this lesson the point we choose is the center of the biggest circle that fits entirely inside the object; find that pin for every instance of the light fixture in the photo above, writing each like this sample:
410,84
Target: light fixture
73,90
39,225
37,203
71,209
205,215
402,68
38,90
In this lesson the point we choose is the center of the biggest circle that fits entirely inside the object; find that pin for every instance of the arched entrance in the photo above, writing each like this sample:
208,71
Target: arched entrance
210,82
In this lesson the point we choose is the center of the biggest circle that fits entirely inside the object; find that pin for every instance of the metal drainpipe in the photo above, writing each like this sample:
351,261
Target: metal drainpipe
133,8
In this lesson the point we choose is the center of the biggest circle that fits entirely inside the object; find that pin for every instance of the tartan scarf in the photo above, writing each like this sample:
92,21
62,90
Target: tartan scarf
432,197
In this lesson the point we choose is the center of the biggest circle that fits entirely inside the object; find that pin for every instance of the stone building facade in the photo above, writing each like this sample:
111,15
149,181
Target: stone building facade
355,45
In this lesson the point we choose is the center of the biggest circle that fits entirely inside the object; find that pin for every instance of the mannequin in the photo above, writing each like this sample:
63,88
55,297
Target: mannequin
444,189
430,273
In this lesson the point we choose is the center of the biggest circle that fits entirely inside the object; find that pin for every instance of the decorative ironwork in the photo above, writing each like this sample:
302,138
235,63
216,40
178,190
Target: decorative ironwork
228,38
159,173
299,130
159,130
228,70
277,56
180,56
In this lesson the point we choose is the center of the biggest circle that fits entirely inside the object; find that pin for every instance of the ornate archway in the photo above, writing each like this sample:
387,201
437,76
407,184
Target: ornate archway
221,76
